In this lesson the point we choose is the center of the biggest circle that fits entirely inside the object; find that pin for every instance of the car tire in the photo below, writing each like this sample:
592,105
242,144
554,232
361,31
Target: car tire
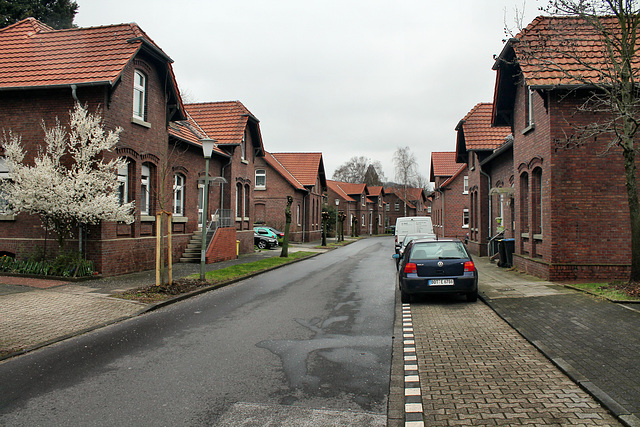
261,244
472,296
405,298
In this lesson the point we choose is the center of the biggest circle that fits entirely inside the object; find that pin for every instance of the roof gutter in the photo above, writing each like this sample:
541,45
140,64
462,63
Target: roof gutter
58,86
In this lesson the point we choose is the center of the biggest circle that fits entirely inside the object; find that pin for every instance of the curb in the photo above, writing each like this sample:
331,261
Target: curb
626,417
149,308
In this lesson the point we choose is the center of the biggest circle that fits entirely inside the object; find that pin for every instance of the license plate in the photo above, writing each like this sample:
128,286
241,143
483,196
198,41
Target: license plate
441,282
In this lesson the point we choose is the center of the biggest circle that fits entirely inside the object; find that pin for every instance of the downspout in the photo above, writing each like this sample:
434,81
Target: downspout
490,235
74,92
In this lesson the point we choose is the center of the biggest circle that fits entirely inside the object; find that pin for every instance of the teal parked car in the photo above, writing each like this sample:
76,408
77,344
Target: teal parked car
269,231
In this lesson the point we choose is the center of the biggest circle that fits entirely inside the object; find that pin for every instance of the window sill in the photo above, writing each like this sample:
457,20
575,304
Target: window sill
529,128
147,218
524,235
537,237
7,217
140,122
179,218
260,189
244,161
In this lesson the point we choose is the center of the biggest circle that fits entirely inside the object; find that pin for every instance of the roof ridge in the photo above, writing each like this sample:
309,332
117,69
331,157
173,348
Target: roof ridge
283,167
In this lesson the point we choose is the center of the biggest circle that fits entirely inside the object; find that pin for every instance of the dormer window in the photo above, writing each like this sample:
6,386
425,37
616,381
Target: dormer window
139,95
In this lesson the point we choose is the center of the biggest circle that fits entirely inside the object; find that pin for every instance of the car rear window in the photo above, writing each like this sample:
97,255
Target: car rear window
438,250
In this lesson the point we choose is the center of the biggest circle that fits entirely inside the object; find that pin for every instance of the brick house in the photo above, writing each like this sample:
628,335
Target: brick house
300,175
450,208
121,71
415,203
571,211
237,132
377,211
489,196
354,202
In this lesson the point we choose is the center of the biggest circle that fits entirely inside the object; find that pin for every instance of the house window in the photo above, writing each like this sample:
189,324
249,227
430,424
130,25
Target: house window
364,199
379,201
238,202
524,202
261,179
178,194
123,184
387,207
528,108
4,174
144,190
200,203
363,218
139,95
298,215
247,200
536,201
397,206
243,148
465,218
465,185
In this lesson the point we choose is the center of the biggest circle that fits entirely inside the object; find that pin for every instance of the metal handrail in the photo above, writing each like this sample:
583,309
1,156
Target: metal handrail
489,244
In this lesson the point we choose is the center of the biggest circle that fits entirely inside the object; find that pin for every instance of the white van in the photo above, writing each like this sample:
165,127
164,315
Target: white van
412,224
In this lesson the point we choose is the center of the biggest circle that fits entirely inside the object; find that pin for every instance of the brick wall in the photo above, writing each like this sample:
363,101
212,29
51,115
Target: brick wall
223,246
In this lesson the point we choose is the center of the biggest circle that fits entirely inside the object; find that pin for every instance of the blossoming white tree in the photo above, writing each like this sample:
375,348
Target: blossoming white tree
69,184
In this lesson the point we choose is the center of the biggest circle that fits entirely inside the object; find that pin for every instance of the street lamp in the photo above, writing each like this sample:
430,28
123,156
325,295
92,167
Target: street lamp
207,149
337,204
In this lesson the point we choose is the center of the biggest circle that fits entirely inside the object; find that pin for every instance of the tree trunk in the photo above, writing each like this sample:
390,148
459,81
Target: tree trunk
285,241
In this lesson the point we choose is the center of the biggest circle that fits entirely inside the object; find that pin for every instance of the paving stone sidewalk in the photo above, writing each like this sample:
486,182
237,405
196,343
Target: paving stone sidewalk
594,341
476,370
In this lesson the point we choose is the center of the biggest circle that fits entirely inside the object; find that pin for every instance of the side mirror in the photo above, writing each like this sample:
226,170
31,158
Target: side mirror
396,256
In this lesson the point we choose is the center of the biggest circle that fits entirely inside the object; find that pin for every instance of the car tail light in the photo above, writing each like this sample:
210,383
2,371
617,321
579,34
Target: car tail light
468,266
410,268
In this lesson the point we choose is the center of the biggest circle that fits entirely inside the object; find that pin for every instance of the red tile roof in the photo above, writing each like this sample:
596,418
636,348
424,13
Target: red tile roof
376,190
399,192
336,187
444,164
189,131
475,131
305,167
224,121
33,54
350,188
568,41
275,164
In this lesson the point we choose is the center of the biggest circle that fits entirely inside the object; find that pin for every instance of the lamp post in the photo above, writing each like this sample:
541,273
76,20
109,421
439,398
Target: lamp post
207,150
337,204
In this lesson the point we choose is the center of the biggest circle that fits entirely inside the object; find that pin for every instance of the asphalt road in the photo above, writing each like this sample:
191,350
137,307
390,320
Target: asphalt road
307,344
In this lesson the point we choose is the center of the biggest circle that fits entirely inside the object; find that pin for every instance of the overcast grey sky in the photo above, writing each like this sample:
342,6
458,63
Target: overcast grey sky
344,77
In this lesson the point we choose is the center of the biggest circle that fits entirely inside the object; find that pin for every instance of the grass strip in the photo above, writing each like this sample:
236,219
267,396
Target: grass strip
615,291
241,270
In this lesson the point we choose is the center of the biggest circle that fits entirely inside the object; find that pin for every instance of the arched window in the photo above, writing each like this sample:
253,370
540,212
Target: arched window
247,201
524,202
536,201
145,189
178,194
123,184
238,201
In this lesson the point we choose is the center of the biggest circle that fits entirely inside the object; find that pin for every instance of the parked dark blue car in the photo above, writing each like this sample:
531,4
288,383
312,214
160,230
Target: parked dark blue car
436,267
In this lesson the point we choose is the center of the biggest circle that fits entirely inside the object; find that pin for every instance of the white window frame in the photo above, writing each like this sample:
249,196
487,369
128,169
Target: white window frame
465,185
178,194
364,200
261,179
200,204
298,215
239,199
4,174
397,206
465,218
243,148
123,184
145,190
387,207
139,95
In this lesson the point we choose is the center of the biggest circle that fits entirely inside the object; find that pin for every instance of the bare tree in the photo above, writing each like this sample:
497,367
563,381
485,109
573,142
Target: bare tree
406,168
605,75
358,169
